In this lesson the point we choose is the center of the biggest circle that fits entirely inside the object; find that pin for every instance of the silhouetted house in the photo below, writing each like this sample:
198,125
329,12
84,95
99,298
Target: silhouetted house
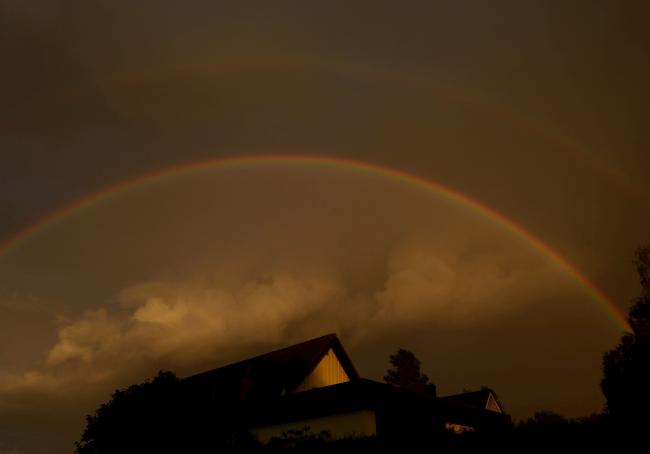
484,398
315,384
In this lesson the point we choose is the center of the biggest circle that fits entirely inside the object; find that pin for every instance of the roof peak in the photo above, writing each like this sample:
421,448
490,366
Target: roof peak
274,372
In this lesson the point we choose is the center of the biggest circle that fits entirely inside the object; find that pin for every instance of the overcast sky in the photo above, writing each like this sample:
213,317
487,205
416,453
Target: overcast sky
537,109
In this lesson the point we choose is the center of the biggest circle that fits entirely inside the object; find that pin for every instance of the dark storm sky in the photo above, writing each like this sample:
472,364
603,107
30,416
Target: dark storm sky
538,109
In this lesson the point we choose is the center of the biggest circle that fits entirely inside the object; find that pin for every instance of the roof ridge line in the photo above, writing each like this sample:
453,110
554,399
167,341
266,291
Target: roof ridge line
332,336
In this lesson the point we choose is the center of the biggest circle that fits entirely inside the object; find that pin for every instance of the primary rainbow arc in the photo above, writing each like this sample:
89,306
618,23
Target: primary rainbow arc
364,167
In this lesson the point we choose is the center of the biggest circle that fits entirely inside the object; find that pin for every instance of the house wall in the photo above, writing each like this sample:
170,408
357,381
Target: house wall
328,371
358,423
492,404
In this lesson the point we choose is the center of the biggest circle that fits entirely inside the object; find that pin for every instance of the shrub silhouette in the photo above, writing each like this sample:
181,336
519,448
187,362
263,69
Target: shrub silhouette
159,416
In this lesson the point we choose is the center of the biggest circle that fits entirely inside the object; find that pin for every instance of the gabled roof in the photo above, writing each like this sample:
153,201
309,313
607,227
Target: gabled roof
270,375
479,399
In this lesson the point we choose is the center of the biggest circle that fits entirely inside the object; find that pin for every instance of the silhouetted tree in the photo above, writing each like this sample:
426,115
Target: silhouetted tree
626,369
406,373
138,418
159,416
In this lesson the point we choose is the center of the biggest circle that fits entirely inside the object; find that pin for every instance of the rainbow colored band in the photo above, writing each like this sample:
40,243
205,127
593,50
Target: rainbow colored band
376,170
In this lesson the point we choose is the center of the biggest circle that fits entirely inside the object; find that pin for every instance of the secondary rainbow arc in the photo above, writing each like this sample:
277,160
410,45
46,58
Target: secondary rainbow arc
374,169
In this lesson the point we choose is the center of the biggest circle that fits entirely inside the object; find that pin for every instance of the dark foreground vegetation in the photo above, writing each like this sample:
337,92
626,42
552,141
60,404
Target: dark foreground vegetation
156,416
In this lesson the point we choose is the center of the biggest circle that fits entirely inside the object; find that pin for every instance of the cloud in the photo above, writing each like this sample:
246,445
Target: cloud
82,339
198,319
180,321
431,284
